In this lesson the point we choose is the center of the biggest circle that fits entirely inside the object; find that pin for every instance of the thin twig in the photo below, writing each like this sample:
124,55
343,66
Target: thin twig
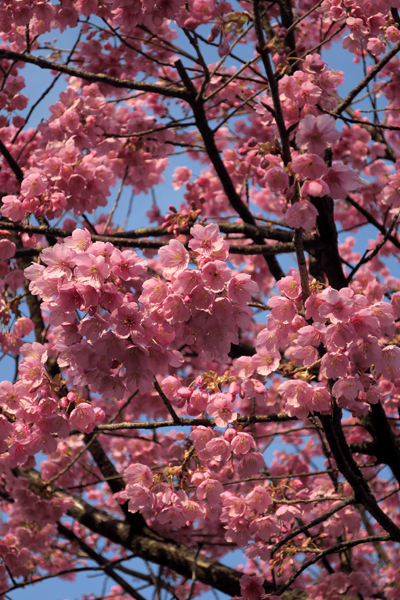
175,418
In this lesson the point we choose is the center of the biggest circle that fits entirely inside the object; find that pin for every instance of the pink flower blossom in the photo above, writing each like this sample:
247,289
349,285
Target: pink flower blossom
12,208
221,408
266,361
154,291
338,336
80,241
337,307
32,371
60,260
174,258
264,527
139,497
218,449
301,214
341,180
315,188
175,310
311,335
376,46
389,363
241,287
349,387
180,177
140,474
242,443
258,499
200,436
334,365
305,355
365,323
83,418
33,185
315,134
298,395
287,512
277,179
92,269
7,249
198,403
365,352
172,516
127,321
290,285
251,464
251,588
282,309
310,166
216,275
206,240
210,490
127,264
23,327
321,398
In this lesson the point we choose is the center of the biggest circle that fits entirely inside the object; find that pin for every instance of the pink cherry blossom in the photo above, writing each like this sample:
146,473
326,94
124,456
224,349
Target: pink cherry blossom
310,166
137,473
216,275
7,249
337,307
334,365
174,258
127,321
315,134
221,409
317,187
241,287
349,387
341,180
258,499
277,179
12,208
301,214
92,269
242,443
210,490
282,309
33,185
206,240
83,418
266,361
251,587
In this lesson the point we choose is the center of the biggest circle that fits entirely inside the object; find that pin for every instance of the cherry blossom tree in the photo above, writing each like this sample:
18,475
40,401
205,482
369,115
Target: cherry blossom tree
227,376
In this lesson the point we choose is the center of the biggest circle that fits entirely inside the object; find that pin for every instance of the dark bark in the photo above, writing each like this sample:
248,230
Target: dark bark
327,256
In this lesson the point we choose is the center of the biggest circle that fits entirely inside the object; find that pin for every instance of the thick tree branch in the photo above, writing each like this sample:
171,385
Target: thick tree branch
197,105
350,470
168,91
100,560
184,422
328,257
12,163
386,446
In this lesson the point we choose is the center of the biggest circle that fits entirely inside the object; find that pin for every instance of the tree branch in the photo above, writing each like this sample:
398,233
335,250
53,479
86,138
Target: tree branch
170,91
100,560
364,82
350,470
